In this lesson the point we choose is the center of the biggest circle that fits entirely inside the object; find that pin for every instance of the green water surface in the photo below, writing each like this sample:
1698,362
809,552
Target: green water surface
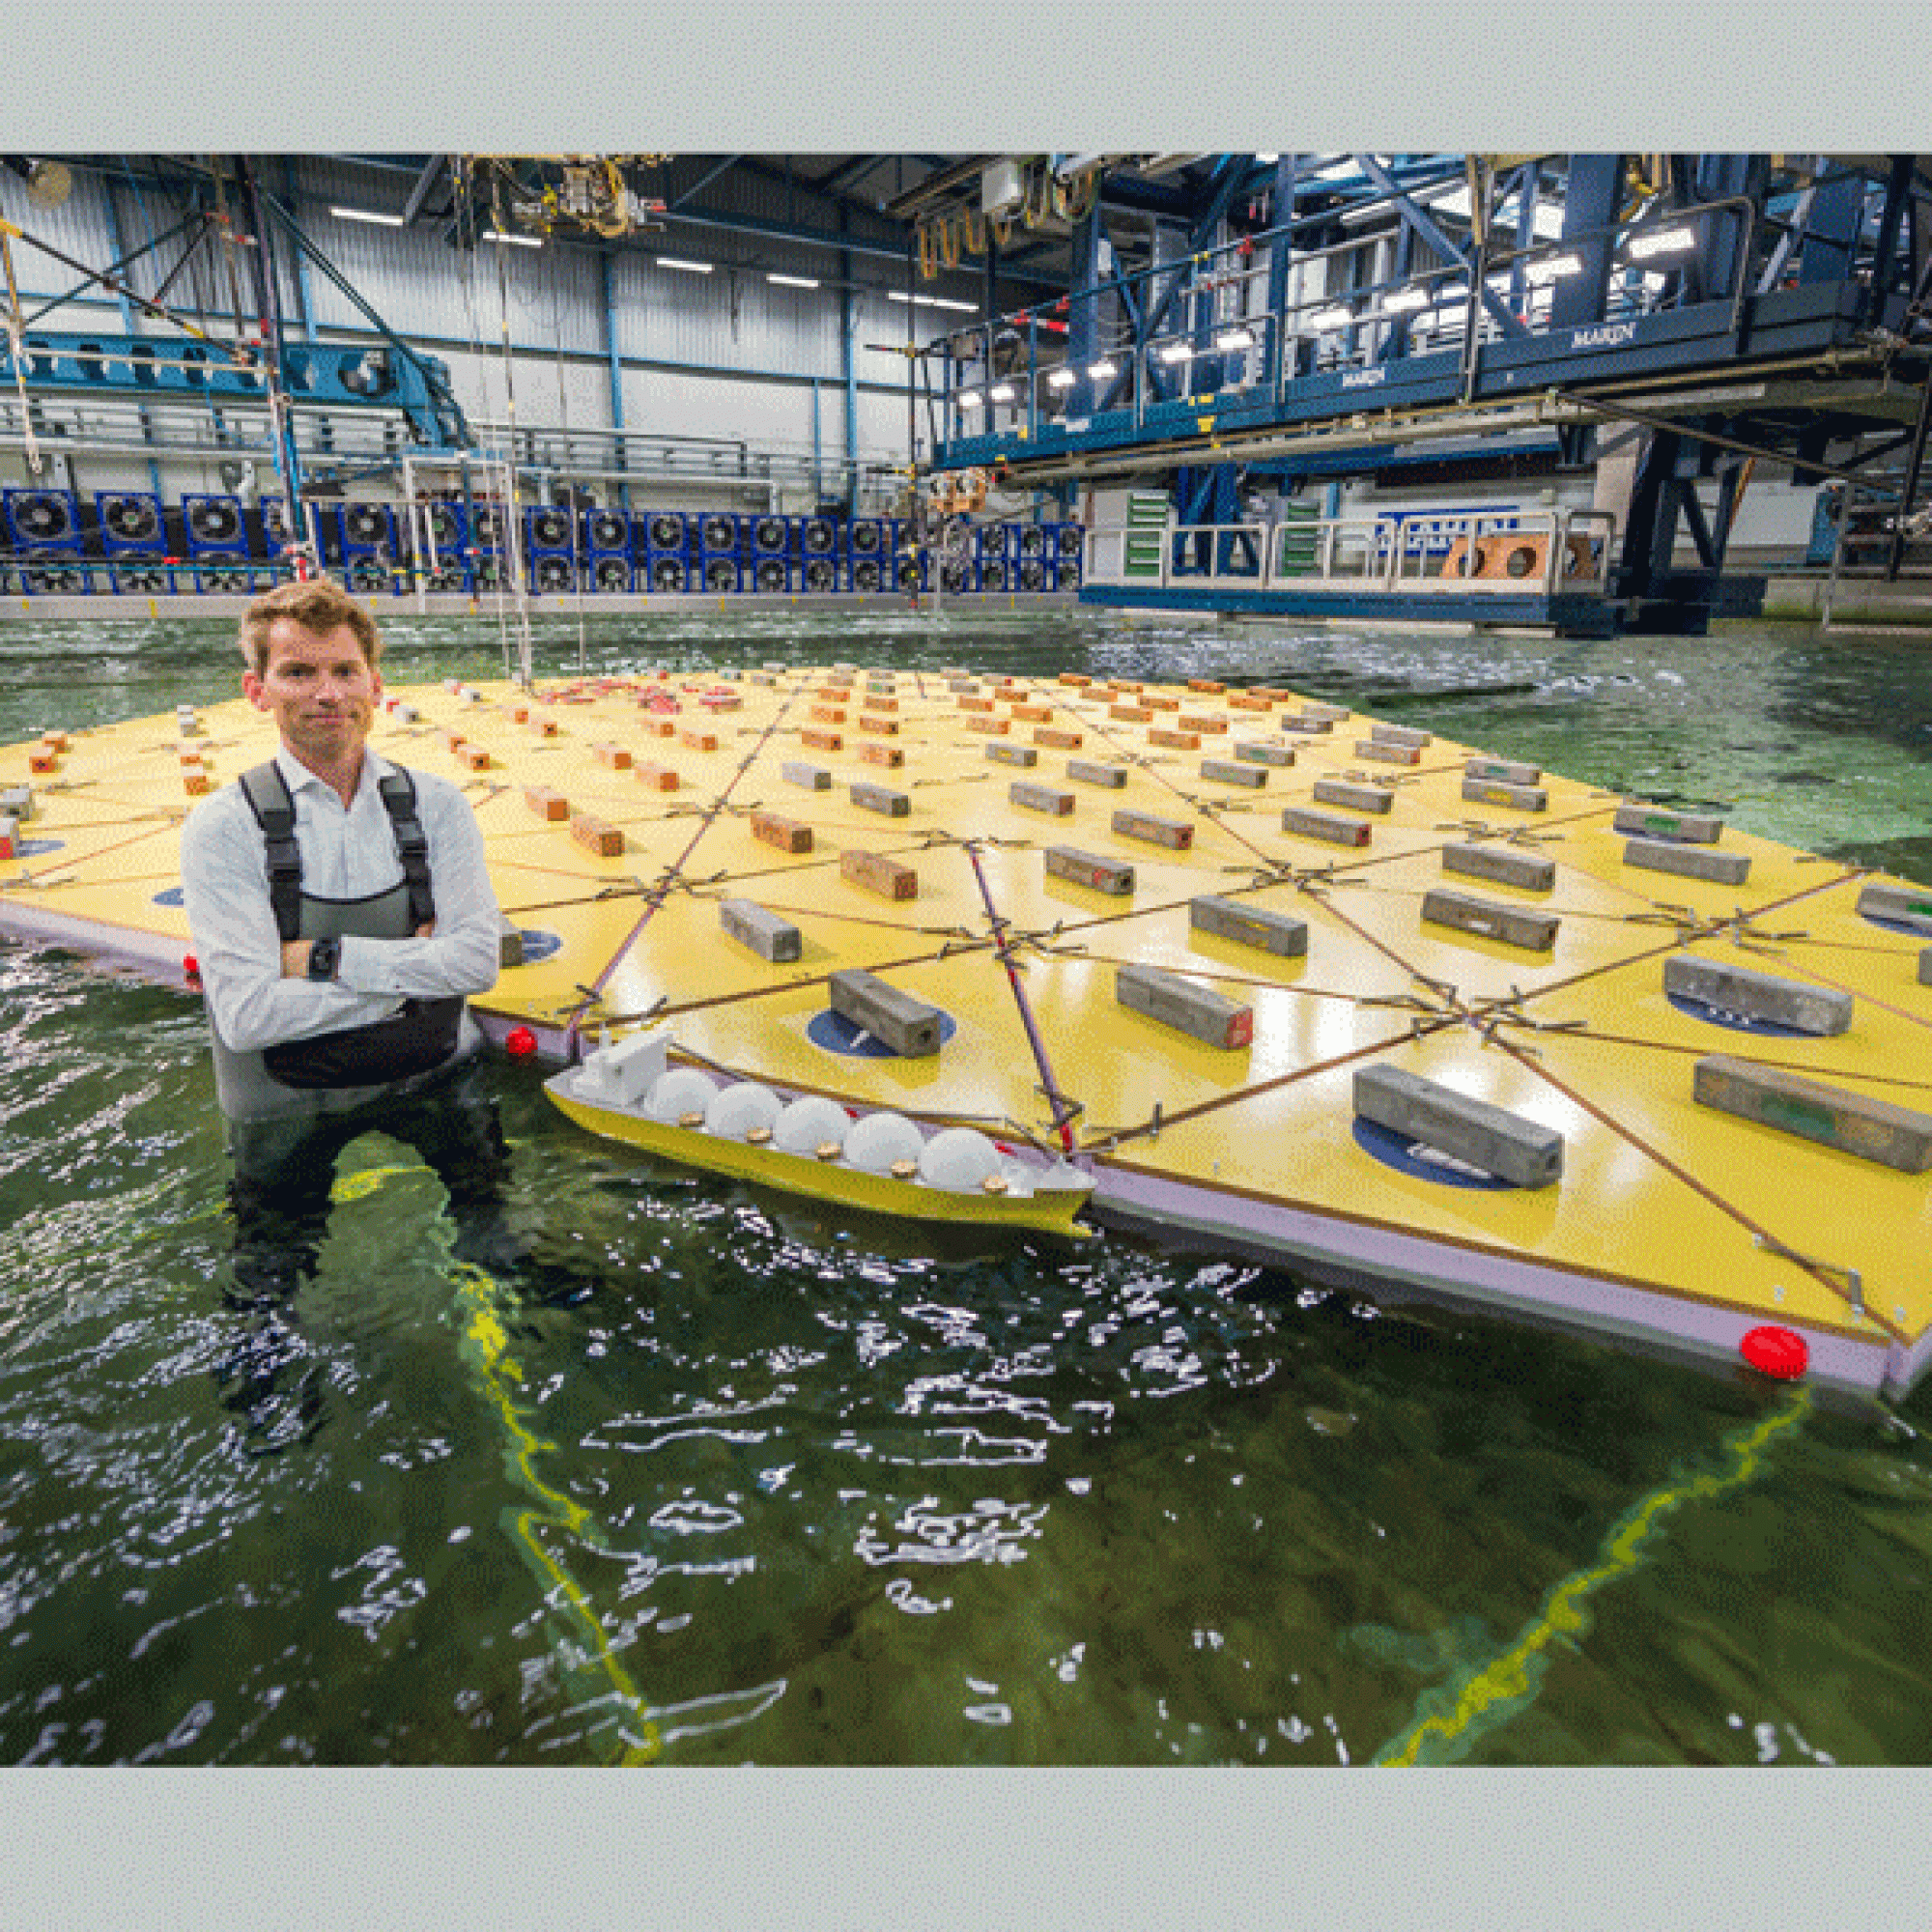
728,1479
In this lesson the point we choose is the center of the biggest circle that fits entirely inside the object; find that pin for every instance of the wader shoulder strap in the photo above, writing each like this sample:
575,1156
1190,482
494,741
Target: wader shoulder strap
399,799
274,811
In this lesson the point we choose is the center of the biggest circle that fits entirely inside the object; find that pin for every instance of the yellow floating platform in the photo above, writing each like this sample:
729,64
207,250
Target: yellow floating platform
1222,1106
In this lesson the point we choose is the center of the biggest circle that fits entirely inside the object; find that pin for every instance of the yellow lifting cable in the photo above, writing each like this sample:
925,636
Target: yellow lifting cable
16,335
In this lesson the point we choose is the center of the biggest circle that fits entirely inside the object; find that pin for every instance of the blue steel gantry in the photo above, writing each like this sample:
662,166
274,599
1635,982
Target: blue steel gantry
1295,317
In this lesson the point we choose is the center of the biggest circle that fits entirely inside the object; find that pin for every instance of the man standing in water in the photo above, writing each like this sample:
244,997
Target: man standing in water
341,912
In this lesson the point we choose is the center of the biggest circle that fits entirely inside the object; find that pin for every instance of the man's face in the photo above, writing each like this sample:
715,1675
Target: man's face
320,688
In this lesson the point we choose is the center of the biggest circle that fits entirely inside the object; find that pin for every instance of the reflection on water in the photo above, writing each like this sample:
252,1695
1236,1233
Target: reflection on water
713,1476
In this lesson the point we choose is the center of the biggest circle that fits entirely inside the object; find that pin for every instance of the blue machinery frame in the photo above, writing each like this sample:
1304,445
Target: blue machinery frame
1218,363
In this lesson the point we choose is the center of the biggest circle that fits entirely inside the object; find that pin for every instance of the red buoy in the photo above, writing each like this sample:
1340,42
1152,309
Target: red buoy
191,966
1776,1351
520,1042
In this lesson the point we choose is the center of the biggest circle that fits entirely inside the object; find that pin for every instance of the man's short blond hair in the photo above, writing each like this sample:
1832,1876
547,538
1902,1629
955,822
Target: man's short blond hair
321,604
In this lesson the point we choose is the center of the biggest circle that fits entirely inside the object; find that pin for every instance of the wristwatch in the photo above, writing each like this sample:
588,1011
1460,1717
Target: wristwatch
321,958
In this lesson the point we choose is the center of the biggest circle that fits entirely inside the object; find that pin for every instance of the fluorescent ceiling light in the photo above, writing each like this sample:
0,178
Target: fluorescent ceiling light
1325,320
517,240
1661,241
1268,160
968,399
368,215
792,281
932,301
1553,268
1001,392
1233,338
1405,302
1176,352
1100,371
1061,378
689,268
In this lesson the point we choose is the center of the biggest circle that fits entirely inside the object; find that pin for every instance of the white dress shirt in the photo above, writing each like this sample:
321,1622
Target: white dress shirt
345,855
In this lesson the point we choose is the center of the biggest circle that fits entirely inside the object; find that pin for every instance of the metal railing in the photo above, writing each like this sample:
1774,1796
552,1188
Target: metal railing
1479,554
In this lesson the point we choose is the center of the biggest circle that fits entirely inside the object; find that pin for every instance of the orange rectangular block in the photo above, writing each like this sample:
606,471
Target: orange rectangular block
890,755
658,728
519,714
191,761
54,741
1126,684
454,741
546,804
1075,678
1250,702
544,728
1130,714
874,703
657,777
474,757
1175,741
788,835
696,740
1058,737
997,725
822,741
40,759
885,728
196,784
975,704
836,693
1036,714
1154,701
1204,683
616,756
606,840
879,874
1187,722
828,714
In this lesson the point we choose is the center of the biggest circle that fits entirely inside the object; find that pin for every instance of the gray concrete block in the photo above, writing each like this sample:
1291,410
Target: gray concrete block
1041,798
1507,1145
810,777
1659,854
1089,869
1758,996
1113,777
1277,932
910,1027
1854,1124
1401,734
1909,905
1307,823
1005,753
1656,821
1503,771
882,798
1226,771
1264,754
1199,1012
1490,918
1356,797
1501,863
1516,797
767,934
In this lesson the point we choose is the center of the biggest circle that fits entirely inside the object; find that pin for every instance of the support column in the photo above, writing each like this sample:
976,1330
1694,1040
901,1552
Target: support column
1590,202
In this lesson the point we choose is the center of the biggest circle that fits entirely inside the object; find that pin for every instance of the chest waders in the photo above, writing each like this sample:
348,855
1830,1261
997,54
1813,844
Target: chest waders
331,1072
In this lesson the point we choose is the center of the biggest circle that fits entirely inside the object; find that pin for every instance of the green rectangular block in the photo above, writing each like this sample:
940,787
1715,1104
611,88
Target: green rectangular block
1910,905
1853,1123
1655,821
